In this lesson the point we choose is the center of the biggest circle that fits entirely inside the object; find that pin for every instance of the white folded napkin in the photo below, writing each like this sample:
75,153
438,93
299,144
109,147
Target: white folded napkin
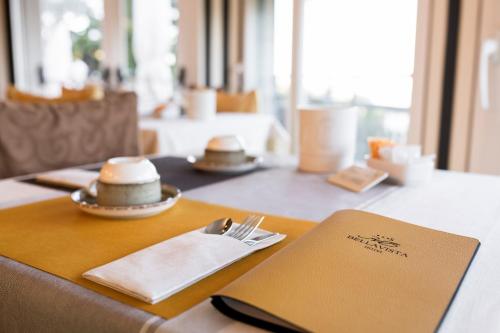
159,271
71,178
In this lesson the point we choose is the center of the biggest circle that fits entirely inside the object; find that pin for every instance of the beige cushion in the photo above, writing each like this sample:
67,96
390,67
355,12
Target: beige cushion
39,137
241,102
88,93
148,140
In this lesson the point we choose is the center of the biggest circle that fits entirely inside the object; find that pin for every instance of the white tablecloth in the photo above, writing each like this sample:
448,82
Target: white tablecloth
287,192
465,204
185,136
14,193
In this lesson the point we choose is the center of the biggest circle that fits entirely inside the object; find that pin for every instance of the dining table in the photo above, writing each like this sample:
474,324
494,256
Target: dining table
180,136
32,300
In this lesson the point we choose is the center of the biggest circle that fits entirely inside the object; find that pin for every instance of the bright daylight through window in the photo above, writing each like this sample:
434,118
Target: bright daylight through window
357,52
72,37
71,42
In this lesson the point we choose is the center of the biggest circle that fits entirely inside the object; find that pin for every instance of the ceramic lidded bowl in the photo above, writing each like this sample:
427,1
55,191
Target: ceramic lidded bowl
126,181
228,149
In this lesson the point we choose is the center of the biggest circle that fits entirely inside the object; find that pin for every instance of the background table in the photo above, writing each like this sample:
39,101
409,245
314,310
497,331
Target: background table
172,170
465,204
183,136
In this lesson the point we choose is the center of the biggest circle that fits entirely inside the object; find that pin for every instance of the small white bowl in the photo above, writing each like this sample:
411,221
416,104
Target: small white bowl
226,143
128,170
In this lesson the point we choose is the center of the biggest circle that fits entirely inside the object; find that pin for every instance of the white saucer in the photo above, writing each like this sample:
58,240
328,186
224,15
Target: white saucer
87,203
199,163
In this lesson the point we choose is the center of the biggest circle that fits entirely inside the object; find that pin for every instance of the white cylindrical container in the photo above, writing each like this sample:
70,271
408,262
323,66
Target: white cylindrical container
327,138
201,104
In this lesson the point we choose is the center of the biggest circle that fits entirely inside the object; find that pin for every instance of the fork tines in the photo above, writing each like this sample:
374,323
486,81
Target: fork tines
245,229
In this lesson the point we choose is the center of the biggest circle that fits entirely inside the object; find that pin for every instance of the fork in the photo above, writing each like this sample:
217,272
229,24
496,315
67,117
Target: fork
246,229
260,239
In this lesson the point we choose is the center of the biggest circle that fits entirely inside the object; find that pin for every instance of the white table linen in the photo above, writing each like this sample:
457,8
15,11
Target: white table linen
286,192
14,193
466,204
186,136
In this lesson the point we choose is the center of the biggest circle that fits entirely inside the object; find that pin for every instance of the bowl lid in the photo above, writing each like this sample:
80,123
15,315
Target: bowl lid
128,170
226,143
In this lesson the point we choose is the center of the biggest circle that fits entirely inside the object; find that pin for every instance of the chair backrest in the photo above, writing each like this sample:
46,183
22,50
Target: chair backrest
240,102
89,92
37,137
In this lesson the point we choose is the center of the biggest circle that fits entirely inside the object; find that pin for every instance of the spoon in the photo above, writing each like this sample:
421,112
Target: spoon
220,226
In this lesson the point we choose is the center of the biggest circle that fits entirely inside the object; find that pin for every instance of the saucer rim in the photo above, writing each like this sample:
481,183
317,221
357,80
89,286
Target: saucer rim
175,194
199,163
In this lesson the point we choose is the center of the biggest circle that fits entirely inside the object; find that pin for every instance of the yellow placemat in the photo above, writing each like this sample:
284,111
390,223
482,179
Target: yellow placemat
56,237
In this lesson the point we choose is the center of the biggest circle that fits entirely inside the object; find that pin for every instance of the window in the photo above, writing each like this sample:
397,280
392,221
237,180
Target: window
71,34
75,42
283,23
354,53
152,31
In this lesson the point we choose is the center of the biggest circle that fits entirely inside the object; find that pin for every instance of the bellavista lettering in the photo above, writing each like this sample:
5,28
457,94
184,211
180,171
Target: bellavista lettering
379,244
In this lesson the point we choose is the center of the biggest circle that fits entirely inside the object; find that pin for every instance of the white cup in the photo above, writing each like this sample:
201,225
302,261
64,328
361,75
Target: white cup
201,104
327,138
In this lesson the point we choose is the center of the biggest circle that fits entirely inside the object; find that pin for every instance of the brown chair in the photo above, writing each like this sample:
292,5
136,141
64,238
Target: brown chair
240,102
37,137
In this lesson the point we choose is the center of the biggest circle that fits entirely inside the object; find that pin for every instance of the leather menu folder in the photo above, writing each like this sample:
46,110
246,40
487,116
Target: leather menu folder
354,272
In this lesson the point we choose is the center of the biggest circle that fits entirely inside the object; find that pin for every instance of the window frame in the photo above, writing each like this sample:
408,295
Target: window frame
5,61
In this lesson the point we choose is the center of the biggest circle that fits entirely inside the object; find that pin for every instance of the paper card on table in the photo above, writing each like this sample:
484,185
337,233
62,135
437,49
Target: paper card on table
358,179
70,178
